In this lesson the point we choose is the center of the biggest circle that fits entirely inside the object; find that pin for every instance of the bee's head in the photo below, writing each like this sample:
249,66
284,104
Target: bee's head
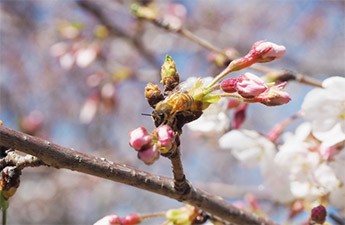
161,113
158,117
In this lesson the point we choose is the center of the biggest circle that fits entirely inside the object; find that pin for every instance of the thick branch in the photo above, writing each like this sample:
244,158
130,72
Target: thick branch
62,157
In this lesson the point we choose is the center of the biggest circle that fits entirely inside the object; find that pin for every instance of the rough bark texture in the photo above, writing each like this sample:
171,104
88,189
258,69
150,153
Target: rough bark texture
62,157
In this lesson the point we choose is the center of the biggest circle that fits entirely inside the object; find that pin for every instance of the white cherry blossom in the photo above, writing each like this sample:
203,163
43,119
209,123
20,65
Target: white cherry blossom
325,109
248,146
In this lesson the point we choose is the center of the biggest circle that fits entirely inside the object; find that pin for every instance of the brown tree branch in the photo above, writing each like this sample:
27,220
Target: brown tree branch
62,157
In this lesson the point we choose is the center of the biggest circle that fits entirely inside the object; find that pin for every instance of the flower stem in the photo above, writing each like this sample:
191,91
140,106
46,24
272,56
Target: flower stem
152,215
4,215
214,88
222,74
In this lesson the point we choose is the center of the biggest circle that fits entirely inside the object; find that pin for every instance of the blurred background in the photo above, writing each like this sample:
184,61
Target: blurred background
74,72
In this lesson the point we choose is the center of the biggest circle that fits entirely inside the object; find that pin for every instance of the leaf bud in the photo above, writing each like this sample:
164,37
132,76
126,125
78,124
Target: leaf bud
169,74
153,94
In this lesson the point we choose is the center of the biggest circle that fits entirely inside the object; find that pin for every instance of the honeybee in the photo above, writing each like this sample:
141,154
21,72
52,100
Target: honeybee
176,109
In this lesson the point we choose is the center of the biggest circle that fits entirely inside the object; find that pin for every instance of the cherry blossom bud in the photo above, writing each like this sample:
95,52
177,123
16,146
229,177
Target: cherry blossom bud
32,123
240,63
165,135
131,219
249,85
275,95
140,139
109,220
264,51
149,155
318,214
229,85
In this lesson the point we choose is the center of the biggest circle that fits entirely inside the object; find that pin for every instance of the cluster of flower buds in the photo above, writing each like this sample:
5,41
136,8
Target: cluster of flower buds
253,89
113,219
149,146
261,52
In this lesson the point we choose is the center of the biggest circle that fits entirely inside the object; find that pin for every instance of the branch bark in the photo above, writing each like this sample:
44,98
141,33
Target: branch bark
62,157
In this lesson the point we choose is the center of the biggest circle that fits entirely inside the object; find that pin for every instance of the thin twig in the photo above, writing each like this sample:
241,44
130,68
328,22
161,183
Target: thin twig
96,11
62,157
304,79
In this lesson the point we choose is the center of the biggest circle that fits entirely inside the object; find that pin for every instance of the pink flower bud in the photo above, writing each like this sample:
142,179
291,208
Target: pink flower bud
318,214
240,63
249,85
165,135
264,51
109,220
275,95
239,116
131,219
139,138
150,155
229,85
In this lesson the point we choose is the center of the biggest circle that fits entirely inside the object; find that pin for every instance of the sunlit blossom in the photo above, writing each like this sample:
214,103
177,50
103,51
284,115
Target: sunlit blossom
325,109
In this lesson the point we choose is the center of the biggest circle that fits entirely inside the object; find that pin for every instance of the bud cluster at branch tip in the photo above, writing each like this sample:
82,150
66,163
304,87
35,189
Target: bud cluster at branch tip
149,146
261,52
250,88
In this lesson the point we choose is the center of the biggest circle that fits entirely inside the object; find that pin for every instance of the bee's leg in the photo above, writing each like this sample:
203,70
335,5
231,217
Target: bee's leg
186,117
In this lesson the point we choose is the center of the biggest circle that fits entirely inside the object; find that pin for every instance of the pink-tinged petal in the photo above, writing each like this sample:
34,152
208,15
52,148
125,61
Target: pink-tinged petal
274,96
264,51
109,220
150,155
165,135
249,85
131,219
139,138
